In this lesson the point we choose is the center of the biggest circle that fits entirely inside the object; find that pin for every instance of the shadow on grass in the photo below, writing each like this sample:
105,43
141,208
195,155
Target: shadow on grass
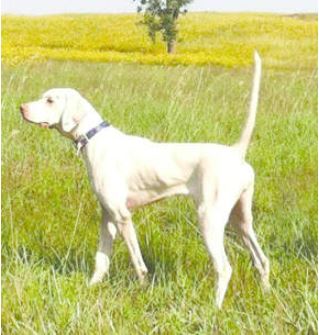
306,247
69,261
65,263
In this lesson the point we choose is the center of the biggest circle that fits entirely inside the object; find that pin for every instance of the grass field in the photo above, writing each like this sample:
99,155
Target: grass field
205,38
50,217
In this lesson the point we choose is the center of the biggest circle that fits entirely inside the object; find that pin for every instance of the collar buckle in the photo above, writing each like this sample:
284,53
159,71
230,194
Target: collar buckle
84,139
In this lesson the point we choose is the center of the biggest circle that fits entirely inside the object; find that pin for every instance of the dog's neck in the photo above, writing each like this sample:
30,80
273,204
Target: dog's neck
89,121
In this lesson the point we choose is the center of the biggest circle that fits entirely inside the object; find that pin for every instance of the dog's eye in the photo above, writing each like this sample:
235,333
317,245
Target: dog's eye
49,100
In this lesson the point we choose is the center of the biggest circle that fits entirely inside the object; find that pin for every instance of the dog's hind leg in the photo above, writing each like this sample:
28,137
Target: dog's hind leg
242,219
213,219
102,258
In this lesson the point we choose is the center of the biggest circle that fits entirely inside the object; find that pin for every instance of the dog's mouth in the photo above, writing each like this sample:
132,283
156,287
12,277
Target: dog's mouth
41,124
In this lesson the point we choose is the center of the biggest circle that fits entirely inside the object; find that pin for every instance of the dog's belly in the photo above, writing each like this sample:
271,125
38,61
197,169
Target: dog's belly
145,197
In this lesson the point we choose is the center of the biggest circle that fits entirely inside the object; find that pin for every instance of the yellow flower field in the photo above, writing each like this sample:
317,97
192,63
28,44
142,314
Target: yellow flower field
205,38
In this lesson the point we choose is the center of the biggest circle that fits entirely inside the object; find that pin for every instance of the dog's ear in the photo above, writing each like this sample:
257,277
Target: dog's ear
73,112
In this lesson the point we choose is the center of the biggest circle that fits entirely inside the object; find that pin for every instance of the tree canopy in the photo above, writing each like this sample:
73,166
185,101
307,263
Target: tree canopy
161,16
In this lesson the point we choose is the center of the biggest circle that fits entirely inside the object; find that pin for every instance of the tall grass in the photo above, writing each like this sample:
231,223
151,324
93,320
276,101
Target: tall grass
50,217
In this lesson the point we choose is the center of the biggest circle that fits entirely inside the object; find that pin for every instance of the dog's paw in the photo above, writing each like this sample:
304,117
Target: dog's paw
266,286
143,277
96,279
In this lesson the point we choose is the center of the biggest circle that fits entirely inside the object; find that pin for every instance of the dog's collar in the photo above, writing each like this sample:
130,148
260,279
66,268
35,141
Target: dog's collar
83,140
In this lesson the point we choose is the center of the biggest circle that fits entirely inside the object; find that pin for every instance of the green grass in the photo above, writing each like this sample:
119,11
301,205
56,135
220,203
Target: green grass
50,217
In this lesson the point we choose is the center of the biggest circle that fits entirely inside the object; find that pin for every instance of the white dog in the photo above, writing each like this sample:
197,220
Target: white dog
128,171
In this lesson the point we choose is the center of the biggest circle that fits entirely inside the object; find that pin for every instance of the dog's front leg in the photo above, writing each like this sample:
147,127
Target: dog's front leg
113,200
126,229
102,258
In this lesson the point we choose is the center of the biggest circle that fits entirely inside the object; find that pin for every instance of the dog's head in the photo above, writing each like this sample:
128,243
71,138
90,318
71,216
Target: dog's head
60,108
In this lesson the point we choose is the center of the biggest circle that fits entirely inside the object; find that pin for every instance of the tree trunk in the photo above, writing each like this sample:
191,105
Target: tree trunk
171,46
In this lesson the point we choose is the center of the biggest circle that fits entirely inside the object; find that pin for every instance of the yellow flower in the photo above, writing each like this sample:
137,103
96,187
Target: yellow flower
204,38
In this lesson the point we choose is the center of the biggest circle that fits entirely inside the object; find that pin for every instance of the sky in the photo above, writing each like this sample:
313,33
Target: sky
39,7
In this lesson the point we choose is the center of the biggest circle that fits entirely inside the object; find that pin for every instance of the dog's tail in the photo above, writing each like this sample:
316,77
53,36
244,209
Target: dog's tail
244,141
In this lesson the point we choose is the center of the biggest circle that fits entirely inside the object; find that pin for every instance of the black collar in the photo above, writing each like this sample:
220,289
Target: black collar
83,140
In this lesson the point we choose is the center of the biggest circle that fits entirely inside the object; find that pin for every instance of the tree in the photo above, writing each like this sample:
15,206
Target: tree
161,16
